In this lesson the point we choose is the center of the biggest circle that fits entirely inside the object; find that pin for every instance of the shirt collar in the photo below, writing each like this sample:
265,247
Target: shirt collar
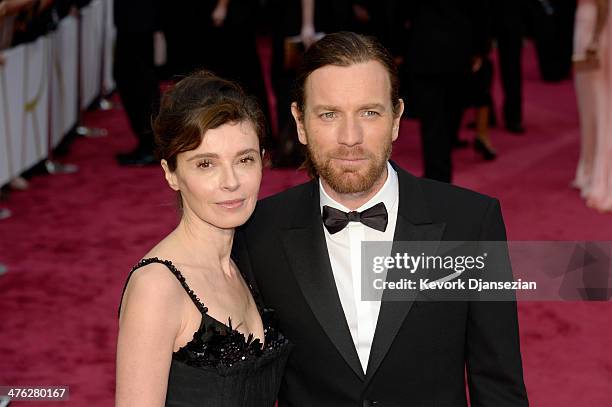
388,194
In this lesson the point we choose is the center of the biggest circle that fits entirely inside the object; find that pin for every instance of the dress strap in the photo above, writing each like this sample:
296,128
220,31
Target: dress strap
179,276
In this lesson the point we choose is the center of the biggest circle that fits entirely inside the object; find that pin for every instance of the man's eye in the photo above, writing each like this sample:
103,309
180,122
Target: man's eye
371,113
247,160
328,115
204,164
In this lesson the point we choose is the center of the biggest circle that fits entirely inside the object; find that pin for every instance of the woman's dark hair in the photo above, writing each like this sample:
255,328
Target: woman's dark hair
197,103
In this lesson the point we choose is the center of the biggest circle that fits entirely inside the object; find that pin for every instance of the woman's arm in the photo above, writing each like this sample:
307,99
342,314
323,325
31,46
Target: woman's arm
220,12
149,323
602,19
15,6
307,31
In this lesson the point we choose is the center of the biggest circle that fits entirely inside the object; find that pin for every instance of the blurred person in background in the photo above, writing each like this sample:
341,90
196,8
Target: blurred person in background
593,65
447,41
7,19
23,21
135,75
551,25
508,26
479,94
235,55
6,35
481,100
217,35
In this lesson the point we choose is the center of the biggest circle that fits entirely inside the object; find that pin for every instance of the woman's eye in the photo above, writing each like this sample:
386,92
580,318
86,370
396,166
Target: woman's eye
204,164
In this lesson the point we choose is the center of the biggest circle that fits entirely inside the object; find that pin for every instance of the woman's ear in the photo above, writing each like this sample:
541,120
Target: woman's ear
170,176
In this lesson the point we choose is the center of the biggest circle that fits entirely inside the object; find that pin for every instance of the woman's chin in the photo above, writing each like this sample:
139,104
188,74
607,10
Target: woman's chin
231,221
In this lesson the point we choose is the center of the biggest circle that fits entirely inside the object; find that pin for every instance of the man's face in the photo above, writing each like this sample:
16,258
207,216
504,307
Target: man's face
348,124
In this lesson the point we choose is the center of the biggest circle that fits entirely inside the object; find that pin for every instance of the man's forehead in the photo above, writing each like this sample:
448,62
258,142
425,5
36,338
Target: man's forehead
367,82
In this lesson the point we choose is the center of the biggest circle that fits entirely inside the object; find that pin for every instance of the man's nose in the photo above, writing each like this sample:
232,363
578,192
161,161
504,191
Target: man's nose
351,132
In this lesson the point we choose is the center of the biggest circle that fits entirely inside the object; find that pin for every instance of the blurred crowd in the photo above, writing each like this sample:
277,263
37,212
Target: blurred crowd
23,21
443,50
441,47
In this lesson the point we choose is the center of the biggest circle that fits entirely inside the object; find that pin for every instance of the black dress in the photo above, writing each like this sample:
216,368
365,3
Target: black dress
220,367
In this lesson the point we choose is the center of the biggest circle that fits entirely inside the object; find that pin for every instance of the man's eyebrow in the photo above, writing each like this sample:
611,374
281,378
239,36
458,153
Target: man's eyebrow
247,150
378,106
326,107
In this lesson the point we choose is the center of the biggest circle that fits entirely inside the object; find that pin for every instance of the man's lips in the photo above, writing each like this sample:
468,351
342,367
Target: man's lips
350,159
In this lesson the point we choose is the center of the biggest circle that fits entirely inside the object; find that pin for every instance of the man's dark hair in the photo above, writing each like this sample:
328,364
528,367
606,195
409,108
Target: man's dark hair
345,49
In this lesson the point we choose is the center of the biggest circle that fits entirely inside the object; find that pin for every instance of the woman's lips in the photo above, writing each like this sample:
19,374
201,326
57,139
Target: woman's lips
233,204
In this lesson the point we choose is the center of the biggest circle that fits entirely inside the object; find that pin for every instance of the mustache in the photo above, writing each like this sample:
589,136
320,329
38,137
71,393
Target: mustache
350,153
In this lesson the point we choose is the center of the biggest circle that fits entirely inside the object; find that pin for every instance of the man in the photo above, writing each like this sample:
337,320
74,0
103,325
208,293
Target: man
351,352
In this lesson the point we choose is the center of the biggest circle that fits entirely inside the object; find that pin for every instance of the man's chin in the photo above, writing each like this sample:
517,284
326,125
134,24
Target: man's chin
340,174
348,182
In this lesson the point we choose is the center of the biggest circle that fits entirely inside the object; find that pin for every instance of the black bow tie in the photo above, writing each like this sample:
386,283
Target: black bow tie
375,217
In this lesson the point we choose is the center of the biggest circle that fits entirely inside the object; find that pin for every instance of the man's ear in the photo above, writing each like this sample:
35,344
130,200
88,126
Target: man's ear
397,120
298,116
170,176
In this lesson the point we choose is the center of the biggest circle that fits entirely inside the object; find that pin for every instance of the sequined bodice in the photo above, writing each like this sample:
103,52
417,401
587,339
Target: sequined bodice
219,358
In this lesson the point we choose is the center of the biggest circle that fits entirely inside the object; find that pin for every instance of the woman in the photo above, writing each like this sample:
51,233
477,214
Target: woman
593,65
174,346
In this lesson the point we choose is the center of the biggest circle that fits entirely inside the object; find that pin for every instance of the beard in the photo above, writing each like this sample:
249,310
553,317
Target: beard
347,179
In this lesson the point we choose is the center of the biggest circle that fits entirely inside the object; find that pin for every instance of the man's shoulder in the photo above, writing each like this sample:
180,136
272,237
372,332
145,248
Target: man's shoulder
446,199
293,195
453,193
278,206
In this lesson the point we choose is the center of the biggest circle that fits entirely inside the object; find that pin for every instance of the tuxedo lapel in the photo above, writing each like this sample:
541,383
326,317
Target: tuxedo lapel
306,250
413,224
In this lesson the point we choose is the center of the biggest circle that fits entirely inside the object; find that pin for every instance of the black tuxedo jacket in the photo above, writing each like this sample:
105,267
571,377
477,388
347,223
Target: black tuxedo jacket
421,350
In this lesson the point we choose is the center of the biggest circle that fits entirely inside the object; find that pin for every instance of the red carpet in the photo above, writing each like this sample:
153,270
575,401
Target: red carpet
73,238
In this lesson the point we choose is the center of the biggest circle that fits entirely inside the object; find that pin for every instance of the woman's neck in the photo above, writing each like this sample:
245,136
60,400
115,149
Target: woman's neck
203,244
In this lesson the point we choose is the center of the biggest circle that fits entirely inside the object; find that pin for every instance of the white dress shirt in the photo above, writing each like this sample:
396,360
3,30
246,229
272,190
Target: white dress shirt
344,249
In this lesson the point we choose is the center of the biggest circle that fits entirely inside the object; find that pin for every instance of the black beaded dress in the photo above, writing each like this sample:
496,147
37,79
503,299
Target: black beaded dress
220,367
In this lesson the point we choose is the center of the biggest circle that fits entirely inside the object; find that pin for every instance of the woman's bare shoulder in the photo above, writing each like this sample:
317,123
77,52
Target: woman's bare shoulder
154,286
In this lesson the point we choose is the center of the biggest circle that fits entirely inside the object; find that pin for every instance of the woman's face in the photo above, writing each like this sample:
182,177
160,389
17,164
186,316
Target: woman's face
219,181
